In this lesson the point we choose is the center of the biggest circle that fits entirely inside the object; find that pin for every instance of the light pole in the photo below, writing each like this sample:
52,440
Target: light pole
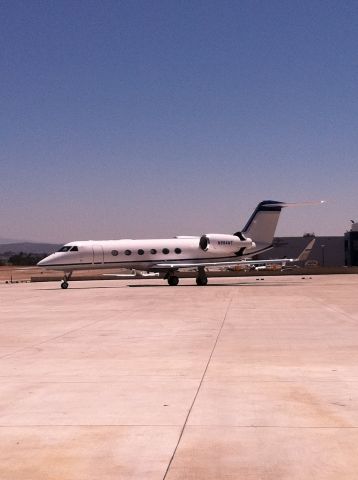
323,247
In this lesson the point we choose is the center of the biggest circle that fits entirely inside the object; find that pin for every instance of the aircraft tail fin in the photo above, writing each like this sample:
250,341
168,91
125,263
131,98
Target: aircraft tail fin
262,224
306,252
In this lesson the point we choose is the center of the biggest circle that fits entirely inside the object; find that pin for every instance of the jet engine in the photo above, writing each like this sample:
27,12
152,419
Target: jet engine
225,243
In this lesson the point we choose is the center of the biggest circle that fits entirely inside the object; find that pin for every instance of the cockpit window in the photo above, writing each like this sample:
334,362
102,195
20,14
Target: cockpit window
64,249
74,249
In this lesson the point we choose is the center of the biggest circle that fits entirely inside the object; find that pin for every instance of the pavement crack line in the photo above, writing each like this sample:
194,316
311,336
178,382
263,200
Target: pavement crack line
50,339
198,389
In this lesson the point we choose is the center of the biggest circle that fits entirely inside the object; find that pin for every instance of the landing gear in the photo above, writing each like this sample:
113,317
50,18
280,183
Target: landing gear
65,280
201,279
173,280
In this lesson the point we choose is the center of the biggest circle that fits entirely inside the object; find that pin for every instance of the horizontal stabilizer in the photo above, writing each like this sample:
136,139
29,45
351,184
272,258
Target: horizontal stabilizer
298,204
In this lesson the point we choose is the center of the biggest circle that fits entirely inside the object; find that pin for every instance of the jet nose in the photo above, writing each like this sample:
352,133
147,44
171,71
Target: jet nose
43,262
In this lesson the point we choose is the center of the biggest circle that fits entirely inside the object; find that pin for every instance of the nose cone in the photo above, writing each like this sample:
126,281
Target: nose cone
44,262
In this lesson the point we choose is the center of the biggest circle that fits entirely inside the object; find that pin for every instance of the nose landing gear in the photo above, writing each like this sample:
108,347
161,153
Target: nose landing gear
65,280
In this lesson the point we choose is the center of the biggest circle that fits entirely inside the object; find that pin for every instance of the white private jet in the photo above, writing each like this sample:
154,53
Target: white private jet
167,256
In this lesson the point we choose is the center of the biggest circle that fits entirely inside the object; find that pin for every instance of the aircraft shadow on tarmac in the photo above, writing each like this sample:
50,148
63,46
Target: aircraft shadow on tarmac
79,288
236,284
152,285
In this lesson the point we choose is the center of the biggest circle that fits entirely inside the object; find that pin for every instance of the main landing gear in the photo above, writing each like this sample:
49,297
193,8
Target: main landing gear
172,279
66,279
201,279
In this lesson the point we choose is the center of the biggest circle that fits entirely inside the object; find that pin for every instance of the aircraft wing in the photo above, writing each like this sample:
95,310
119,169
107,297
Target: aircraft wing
223,264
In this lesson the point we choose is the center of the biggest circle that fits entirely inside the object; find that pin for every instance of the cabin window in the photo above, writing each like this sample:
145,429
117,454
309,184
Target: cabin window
74,249
127,252
140,252
114,253
64,249
165,251
177,250
153,251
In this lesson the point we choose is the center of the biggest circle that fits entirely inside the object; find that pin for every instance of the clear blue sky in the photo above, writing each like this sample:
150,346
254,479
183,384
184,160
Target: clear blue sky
123,119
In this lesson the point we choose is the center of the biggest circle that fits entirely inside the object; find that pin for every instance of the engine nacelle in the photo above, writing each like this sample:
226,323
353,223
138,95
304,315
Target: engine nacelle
225,243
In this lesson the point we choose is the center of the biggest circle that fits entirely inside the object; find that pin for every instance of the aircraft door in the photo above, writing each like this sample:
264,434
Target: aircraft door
97,254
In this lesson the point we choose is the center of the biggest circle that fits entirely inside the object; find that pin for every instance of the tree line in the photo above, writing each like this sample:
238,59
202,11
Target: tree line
23,259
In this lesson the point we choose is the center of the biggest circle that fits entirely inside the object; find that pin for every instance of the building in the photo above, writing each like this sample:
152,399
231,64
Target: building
327,251
351,246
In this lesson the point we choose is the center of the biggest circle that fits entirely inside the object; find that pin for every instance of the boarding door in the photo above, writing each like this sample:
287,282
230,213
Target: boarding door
97,254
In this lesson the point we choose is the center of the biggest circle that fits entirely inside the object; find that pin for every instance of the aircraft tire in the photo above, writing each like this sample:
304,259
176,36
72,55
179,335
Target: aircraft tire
173,281
201,281
64,285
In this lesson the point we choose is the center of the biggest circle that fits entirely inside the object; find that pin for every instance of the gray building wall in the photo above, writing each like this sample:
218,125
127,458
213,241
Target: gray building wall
351,247
328,251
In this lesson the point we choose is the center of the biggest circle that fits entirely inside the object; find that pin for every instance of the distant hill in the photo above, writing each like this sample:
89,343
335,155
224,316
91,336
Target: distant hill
12,240
28,247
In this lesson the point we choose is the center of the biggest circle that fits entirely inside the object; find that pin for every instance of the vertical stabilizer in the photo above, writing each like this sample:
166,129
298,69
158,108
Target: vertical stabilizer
262,224
306,252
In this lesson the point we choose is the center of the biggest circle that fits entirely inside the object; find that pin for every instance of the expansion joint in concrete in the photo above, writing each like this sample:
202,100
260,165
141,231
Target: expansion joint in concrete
199,387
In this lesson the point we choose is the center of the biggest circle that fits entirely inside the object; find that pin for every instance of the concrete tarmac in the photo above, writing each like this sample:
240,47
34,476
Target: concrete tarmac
242,379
